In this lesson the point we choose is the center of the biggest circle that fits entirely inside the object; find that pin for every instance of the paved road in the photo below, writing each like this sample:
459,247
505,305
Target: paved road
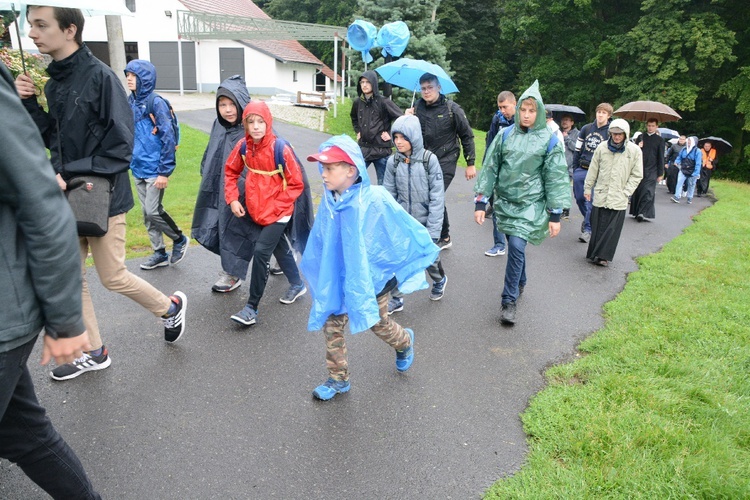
228,411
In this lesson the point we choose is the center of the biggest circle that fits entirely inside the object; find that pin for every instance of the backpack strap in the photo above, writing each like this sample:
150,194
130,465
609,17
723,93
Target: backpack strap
278,159
552,143
150,110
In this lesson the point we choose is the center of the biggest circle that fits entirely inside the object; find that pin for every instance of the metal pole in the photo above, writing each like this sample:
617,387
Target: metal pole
335,72
18,35
343,70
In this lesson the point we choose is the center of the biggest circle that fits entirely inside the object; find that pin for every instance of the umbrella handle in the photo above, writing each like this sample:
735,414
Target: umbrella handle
414,94
18,34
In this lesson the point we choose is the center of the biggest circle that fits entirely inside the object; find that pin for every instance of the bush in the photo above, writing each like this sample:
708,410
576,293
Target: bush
35,67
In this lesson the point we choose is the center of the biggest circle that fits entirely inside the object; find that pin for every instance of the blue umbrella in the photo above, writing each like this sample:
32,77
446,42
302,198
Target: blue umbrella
406,72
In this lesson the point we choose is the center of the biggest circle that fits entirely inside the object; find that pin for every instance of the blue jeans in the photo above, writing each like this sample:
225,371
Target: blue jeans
497,236
579,178
27,436
690,183
380,165
515,268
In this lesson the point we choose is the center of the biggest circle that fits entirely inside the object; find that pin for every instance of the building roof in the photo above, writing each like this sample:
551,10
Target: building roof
329,73
283,50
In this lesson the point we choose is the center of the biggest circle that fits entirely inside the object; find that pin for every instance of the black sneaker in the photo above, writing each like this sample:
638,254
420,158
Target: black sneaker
174,324
157,259
445,243
85,363
180,249
508,316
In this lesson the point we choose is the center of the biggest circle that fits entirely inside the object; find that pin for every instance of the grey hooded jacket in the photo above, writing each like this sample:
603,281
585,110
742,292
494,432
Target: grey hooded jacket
416,181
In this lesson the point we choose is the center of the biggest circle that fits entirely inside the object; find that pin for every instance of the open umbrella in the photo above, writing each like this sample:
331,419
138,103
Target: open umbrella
88,7
562,109
720,145
643,110
668,133
406,72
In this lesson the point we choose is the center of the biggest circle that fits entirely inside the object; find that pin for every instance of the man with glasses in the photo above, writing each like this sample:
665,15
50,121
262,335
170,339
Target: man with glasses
443,124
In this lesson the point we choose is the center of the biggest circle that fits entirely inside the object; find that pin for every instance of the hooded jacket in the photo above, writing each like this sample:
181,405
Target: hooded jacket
614,173
371,117
692,152
270,192
443,124
358,244
88,103
417,186
214,225
525,179
153,154
40,264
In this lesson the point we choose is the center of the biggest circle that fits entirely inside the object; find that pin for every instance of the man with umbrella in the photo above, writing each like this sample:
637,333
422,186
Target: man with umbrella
444,123
652,146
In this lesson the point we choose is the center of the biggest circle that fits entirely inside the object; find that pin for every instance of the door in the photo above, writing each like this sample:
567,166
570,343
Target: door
231,62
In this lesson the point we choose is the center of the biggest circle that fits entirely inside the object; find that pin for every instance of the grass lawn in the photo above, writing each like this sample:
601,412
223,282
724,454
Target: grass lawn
659,404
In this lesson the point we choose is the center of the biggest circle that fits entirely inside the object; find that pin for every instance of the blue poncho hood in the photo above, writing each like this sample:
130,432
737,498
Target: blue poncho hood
357,244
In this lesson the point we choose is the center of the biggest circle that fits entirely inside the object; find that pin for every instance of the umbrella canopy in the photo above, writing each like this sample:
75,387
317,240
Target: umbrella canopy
668,133
643,110
406,72
562,109
720,145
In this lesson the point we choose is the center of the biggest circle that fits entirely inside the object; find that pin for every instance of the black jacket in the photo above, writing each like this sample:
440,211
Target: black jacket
443,124
588,140
40,264
88,104
371,117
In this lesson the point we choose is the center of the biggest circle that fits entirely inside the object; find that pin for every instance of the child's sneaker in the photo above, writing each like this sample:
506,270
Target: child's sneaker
396,304
330,388
180,249
495,251
294,292
445,243
405,358
226,283
247,316
157,259
438,289
86,363
174,324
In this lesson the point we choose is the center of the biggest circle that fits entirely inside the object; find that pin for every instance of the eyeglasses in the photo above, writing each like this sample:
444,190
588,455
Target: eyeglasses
428,88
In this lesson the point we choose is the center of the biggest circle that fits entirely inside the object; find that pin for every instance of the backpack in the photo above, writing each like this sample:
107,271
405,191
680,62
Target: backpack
175,125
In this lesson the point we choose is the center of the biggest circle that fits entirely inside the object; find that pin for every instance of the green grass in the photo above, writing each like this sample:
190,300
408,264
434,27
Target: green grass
659,404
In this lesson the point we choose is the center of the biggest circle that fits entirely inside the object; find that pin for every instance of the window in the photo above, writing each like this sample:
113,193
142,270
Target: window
294,75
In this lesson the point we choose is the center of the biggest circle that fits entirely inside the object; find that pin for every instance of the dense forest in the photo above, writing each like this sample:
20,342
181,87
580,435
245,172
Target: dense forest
693,55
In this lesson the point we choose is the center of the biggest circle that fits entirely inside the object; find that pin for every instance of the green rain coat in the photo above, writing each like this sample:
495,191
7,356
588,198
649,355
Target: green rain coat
525,179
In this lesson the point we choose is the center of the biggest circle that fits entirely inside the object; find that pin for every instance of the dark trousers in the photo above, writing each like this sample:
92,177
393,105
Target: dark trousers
515,268
27,436
579,179
271,241
448,175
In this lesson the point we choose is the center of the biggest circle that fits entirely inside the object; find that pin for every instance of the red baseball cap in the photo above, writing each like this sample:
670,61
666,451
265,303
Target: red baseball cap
333,154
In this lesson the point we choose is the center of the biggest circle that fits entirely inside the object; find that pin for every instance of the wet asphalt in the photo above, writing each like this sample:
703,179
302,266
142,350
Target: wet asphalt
227,412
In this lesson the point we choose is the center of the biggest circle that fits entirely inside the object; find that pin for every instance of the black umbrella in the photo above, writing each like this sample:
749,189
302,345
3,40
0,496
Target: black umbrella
720,145
558,110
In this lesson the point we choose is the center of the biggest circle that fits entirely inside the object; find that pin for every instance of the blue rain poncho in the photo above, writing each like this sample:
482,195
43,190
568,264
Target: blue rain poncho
357,245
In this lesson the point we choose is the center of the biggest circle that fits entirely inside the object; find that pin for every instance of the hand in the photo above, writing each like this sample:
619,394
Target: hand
471,172
587,196
60,182
358,135
64,350
385,136
658,179
554,229
25,86
161,182
237,209
479,216
409,111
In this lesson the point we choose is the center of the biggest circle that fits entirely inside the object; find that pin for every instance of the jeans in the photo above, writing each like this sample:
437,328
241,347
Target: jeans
27,436
690,186
380,165
515,268
156,219
497,236
271,240
579,178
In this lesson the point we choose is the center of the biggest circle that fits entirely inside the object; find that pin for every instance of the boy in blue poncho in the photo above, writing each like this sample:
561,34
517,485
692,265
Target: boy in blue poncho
362,246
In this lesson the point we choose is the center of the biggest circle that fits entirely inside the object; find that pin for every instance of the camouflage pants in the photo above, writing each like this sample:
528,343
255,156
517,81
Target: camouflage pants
386,329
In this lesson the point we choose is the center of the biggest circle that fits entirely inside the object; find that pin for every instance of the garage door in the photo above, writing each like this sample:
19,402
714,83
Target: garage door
164,57
231,62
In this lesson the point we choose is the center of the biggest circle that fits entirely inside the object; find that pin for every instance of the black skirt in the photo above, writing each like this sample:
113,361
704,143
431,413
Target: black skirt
606,226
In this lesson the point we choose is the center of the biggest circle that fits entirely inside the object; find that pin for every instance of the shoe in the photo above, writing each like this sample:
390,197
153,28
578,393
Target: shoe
675,199
585,237
508,316
174,324
445,243
330,388
565,214
86,363
226,283
179,250
521,288
405,358
247,316
495,251
294,292
690,202
275,270
157,259
601,262
640,218
488,210
583,226
438,289
395,305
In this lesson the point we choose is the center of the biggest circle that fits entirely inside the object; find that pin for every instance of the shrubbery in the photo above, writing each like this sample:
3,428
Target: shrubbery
35,67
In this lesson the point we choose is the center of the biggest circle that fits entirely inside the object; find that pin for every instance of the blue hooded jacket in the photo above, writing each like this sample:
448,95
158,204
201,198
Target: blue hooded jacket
357,244
153,154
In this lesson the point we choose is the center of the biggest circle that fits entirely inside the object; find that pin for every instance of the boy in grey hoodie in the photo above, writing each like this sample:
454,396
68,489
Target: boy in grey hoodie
414,178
